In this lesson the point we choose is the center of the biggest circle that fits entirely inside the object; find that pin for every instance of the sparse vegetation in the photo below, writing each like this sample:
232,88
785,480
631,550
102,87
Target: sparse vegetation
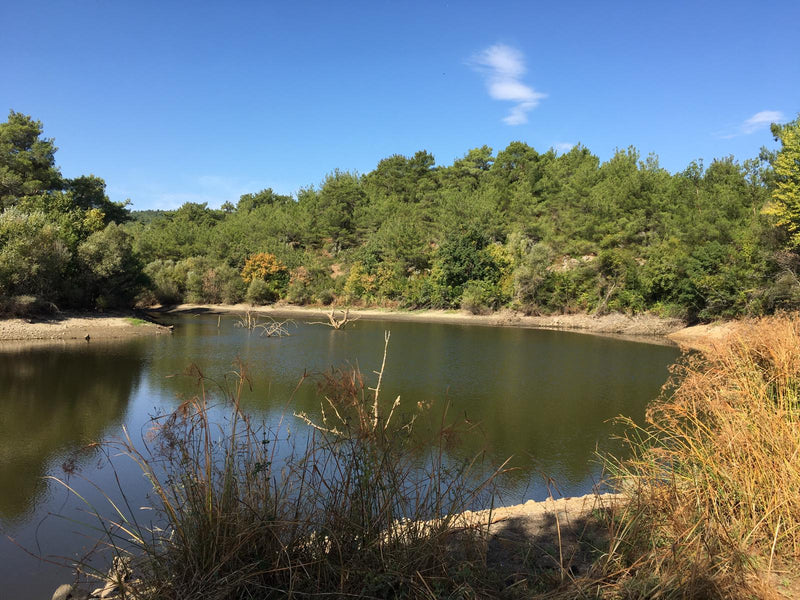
353,508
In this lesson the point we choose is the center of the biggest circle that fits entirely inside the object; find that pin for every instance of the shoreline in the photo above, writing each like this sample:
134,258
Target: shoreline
645,328
641,328
76,326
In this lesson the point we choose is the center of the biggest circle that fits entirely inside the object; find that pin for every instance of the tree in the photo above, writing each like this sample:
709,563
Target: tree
786,194
27,163
337,201
89,192
113,272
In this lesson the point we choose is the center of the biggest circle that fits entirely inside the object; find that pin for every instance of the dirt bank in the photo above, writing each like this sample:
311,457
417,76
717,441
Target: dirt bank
639,326
77,326
548,535
706,337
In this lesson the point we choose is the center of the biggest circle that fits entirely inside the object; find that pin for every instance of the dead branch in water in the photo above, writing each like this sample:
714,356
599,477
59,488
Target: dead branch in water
334,322
272,328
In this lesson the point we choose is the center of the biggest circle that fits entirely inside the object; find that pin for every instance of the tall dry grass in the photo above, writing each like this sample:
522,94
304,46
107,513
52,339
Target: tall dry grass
352,509
713,485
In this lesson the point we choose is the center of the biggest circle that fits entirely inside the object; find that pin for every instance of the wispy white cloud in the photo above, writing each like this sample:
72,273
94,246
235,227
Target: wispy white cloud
760,120
563,147
503,68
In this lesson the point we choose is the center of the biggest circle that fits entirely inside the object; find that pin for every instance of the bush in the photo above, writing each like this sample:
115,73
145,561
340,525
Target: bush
479,297
166,281
260,292
26,306
112,272
326,297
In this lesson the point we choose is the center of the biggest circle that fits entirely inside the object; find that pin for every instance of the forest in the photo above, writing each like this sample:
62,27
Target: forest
538,232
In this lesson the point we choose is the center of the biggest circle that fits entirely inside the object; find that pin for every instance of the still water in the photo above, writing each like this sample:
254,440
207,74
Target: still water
543,397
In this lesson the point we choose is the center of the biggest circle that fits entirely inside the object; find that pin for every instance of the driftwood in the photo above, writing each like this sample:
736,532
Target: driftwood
334,322
272,328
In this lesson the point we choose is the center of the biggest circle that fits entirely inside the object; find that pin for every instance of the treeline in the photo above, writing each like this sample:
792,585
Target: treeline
539,232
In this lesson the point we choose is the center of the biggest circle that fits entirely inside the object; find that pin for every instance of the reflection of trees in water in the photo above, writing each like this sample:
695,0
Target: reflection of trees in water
53,400
544,397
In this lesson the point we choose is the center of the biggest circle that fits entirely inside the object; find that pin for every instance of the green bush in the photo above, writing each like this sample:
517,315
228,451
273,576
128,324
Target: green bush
326,297
479,297
25,306
166,281
260,292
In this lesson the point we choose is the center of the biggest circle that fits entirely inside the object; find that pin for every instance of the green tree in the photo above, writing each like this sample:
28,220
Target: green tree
113,272
27,161
786,194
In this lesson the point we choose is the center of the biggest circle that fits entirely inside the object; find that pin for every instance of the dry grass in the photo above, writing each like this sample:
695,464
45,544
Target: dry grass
714,481
354,508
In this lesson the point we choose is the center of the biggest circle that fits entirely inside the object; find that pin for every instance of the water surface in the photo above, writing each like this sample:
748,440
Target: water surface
544,397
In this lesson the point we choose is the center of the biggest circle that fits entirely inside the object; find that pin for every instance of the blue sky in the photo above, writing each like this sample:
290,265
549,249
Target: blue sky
198,101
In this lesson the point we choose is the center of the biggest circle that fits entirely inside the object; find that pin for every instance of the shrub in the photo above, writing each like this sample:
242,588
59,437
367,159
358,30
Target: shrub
326,297
266,266
260,292
26,306
166,281
479,297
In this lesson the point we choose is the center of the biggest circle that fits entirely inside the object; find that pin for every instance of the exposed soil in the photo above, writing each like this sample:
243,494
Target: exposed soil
549,539
642,327
706,337
77,326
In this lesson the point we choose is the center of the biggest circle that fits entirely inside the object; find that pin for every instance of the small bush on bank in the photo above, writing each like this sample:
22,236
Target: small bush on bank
260,292
479,297
326,297
26,306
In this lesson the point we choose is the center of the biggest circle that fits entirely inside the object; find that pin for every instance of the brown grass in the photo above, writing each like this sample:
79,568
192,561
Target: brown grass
714,481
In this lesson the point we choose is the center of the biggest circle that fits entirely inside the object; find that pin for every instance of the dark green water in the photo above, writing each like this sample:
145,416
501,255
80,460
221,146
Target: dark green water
543,397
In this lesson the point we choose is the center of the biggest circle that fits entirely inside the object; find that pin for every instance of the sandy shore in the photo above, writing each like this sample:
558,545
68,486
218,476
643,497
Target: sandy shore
706,337
639,327
77,326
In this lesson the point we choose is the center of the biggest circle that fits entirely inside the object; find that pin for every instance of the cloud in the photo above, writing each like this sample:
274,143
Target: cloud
503,67
563,147
760,120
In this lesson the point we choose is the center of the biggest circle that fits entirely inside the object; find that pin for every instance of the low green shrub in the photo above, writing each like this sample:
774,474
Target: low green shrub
260,292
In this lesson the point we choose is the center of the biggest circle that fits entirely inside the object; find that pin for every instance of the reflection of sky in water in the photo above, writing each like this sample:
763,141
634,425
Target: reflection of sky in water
544,397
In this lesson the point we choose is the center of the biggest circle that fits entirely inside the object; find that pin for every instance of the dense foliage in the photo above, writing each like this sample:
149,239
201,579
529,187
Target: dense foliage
60,241
540,232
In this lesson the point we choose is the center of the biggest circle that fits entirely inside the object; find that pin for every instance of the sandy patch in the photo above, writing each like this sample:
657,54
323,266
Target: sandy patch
549,536
706,337
75,326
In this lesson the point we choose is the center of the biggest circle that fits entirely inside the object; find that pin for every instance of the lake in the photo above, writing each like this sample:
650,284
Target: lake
544,397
